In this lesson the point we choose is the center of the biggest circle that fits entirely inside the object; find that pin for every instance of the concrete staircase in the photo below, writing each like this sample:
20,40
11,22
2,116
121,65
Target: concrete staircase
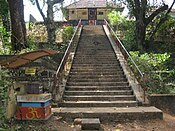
97,83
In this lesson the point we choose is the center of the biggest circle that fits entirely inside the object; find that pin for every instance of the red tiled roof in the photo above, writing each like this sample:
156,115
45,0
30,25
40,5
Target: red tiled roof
20,60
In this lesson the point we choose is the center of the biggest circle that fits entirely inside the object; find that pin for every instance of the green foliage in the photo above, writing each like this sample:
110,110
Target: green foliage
3,8
3,98
129,37
115,18
67,33
37,33
165,31
157,75
65,12
31,42
125,29
5,39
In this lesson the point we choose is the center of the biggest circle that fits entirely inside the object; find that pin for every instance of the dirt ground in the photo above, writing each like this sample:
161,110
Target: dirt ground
56,123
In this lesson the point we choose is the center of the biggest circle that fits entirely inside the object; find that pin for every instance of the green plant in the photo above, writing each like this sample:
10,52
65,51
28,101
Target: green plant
125,29
67,33
155,70
129,38
3,98
31,42
115,18
5,38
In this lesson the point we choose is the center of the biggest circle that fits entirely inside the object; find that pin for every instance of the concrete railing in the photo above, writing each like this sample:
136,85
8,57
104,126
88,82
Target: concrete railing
126,55
60,73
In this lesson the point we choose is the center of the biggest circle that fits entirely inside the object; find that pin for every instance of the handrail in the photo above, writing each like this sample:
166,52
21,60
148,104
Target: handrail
60,68
126,52
122,48
58,76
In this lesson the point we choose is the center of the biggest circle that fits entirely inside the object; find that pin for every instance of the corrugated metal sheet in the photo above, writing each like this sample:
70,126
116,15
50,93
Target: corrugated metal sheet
92,4
20,60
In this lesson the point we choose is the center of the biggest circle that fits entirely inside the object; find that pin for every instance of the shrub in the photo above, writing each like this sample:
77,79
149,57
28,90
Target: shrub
67,33
3,99
155,70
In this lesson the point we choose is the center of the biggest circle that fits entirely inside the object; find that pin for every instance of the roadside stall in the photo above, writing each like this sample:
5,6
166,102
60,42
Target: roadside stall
33,78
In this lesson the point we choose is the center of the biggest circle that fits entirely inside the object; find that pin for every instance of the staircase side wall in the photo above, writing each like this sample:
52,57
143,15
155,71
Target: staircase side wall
138,91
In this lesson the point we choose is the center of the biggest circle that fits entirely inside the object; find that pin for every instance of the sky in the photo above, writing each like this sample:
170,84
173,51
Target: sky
32,9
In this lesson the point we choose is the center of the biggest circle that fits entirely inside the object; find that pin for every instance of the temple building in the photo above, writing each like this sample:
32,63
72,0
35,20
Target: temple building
91,11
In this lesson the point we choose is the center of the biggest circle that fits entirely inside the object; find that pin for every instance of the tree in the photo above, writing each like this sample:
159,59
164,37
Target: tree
144,14
49,20
18,29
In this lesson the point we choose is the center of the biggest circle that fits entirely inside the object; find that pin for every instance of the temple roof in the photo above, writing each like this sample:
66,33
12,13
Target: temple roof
93,4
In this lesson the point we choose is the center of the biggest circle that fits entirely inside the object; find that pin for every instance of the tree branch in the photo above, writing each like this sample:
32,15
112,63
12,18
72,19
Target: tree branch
57,1
132,6
40,10
162,20
144,5
155,13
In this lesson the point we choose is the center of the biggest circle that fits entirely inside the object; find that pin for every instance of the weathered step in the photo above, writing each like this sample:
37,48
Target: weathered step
97,79
107,114
98,104
97,73
100,98
101,52
102,58
96,76
97,70
94,62
96,65
100,88
98,92
95,58
93,54
97,83
92,46
98,57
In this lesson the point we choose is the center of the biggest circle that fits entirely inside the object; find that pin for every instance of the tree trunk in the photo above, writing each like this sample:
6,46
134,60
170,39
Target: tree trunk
49,20
21,12
18,35
140,35
50,23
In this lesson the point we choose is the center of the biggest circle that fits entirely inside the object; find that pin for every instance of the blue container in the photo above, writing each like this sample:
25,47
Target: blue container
34,104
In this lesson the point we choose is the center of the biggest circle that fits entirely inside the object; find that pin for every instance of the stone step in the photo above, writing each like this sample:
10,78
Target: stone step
107,114
99,92
93,55
71,76
100,98
97,104
100,52
97,76
97,73
94,62
97,57
90,124
97,70
92,46
98,88
96,65
91,51
97,79
97,83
